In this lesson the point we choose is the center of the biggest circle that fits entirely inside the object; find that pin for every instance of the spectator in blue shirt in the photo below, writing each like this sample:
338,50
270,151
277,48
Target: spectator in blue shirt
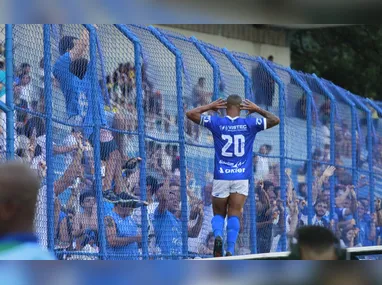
2,80
167,220
366,225
71,71
24,69
122,232
319,219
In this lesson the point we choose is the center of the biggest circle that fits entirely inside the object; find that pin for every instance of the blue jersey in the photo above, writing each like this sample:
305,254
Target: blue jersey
168,232
126,227
233,143
78,93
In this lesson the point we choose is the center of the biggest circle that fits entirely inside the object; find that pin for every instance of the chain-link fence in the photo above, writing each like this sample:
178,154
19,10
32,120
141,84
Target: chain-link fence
99,112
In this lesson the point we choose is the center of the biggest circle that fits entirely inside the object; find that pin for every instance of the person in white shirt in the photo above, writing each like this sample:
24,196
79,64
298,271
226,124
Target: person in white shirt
195,243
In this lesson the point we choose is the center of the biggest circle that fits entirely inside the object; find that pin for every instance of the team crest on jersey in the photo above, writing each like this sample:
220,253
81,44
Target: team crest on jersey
206,119
258,122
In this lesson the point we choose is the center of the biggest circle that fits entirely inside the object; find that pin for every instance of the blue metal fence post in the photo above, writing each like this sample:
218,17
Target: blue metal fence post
96,133
369,148
251,194
182,141
212,62
332,141
309,146
374,105
141,131
49,136
353,133
10,144
282,104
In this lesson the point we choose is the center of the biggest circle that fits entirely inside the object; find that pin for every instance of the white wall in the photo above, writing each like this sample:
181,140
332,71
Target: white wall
281,54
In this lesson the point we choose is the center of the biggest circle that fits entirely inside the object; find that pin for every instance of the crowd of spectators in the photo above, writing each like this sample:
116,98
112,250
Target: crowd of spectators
351,219
75,208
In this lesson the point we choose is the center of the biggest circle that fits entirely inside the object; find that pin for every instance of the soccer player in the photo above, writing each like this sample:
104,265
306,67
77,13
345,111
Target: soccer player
233,142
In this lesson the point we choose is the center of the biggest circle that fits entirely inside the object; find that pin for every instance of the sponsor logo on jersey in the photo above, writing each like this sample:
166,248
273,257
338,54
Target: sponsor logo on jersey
233,128
206,119
221,170
232,164
234,170
259,122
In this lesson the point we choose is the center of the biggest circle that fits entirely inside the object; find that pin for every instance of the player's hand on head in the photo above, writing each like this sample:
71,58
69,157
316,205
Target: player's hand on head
218,104
249,106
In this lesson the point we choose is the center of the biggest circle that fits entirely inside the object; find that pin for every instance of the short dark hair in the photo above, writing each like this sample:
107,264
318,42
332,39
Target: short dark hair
267,185
79,67
24,65
153,182
66,44
234,100
201,79
85,195
316,238
320,201
174,182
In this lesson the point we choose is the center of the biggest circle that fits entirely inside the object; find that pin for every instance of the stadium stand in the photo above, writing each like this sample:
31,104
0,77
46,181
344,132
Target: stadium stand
145,79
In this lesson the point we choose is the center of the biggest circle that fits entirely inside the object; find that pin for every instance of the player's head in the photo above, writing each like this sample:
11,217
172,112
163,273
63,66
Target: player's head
66,44
316,243
233,105
18,195
78,67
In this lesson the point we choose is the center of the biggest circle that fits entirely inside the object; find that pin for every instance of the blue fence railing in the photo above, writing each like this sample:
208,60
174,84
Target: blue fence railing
148,78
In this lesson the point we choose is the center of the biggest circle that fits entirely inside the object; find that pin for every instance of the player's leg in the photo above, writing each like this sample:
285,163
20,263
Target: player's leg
220,194
237,198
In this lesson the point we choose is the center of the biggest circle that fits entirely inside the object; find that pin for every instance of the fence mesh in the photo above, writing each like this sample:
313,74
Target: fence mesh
76,221
3,133
266,161
198,88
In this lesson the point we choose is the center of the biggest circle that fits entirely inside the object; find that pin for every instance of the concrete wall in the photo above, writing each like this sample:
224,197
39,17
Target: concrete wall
281,54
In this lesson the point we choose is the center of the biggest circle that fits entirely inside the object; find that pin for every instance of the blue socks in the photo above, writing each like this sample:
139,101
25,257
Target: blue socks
218,225
233,228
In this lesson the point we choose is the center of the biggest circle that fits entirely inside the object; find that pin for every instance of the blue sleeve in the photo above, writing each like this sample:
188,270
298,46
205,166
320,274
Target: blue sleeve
257,124
209,122
340,212
61,68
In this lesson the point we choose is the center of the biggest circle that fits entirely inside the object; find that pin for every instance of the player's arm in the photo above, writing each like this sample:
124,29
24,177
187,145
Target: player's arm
113,239
196,113
272,120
